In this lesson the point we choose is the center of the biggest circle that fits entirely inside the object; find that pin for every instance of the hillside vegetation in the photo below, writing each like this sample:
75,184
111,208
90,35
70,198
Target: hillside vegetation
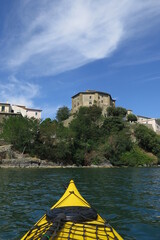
89,139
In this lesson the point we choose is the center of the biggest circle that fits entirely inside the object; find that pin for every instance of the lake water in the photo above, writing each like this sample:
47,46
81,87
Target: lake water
129,198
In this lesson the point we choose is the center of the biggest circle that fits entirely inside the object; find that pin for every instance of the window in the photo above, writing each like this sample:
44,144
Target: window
101,101
78,104
90,97
36,113
90,102
3,108
98,97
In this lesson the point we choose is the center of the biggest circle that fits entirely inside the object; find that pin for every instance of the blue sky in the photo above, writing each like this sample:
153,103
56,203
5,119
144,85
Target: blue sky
52,49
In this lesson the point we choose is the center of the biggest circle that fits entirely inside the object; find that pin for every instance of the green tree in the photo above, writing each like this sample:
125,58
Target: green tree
85,131
137,157
112,124
147,139
116,145
62,114
116,112
131,118
48,129
20,131
85,126
158,121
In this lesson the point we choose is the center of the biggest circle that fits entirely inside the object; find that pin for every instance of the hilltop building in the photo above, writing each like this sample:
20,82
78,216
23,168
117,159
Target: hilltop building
88,99
104,100
91,97
6,109
149,122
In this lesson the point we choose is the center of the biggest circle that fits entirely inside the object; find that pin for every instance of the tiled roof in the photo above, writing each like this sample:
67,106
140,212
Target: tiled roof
93,92
29,109
8,104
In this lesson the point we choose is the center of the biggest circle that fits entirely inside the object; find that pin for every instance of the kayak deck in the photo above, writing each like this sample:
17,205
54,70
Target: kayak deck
71,218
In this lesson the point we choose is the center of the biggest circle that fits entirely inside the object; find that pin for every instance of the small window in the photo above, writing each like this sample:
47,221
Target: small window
90,102
78,104
36,113
98,97
3,108
101,101
90,97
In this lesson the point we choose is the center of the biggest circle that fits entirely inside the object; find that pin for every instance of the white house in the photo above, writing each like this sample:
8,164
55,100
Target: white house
5,107
8,109
27,112
149,122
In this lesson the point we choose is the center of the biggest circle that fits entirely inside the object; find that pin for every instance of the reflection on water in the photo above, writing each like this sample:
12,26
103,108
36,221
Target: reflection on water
128,198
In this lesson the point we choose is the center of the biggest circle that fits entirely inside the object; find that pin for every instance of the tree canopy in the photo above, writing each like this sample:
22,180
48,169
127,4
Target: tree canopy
131,118
116,112
90,138
62,114
20,131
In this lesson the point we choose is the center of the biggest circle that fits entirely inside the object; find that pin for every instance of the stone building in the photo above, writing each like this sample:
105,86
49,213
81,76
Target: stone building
91,97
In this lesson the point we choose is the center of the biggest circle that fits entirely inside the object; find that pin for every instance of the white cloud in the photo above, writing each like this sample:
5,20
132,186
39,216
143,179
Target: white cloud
49,36
17,92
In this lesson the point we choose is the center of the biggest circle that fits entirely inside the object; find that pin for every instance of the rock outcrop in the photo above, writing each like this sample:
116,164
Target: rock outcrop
25,163
10,158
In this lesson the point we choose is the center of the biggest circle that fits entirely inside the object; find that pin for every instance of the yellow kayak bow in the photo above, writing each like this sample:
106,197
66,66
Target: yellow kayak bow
71,218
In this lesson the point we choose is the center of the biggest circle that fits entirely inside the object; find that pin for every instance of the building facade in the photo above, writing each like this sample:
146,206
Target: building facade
27,112
7,109
90,98
149,122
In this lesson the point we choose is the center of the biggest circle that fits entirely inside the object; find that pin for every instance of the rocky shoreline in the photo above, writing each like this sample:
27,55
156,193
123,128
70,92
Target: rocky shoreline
13,159
37,163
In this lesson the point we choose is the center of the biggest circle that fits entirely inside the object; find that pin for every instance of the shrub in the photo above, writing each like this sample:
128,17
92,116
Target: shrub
131,118
137,157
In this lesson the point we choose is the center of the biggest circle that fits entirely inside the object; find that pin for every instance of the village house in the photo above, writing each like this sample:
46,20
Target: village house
6,109
27,112
149,122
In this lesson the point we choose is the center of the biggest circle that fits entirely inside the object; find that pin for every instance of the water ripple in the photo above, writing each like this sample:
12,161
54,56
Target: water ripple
128,198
